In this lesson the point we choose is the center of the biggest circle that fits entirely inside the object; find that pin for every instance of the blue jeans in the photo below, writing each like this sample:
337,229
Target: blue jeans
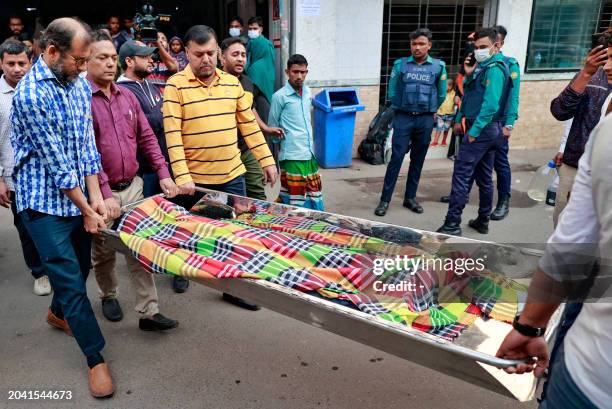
30,255
570,313
65,250
236,186
411,133
561,390
475,161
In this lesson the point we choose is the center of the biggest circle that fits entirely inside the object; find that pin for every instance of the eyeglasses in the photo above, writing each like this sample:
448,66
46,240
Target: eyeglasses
79,60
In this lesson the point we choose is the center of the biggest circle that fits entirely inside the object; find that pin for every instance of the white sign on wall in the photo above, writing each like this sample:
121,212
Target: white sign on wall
309,8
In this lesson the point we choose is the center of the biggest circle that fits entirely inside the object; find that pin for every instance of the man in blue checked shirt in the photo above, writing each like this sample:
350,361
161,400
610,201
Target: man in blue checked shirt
56,183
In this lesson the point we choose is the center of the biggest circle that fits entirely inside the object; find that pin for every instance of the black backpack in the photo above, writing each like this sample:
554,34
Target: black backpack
372,148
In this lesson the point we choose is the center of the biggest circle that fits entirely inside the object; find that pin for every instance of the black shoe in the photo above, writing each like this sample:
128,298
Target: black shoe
111,309
480,224
157,323
452,228
180,284
445,199
382,208
502,209
240,302
413,205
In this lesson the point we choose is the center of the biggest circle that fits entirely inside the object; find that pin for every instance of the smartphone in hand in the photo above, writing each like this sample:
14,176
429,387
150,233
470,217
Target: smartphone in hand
471,60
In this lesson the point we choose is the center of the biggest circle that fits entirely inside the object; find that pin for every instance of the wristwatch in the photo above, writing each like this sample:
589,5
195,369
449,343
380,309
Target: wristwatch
509,127
527,330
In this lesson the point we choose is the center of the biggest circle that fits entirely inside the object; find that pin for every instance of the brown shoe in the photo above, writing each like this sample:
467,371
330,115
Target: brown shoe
58,323
100,381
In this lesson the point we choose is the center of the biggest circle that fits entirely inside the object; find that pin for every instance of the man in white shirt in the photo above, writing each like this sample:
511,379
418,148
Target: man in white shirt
578,255
15,62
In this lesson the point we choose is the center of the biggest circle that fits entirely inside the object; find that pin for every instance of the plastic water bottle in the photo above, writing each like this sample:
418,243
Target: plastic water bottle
551,194
543,178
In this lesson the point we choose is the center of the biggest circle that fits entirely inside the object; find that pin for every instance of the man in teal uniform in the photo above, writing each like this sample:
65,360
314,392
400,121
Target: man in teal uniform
416,89
486,87
501,164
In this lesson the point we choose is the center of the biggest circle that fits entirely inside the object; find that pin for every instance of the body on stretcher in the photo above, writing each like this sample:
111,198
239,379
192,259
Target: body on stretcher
468,356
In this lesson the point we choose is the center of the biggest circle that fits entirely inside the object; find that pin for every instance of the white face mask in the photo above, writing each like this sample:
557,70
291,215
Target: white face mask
254,34
482,55
234,32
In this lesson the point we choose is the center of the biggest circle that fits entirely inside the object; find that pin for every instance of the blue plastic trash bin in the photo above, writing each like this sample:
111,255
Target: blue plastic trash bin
334,123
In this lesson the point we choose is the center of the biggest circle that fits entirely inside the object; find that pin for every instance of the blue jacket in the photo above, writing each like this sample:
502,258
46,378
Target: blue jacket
417,87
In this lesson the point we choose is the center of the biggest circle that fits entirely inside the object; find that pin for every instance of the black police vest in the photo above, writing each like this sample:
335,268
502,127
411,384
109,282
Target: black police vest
474,93
417,89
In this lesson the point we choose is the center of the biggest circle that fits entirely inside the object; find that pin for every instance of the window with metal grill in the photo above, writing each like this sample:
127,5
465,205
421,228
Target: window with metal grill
450,22
605,17
561,33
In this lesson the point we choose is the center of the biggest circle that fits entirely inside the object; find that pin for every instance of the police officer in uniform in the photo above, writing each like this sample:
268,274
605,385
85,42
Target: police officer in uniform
501,163
416,89
486,87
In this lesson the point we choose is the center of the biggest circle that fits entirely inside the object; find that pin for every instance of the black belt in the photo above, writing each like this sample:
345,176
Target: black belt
415,113
119,187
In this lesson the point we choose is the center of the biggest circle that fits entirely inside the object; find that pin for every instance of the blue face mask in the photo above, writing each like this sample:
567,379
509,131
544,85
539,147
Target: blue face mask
254,34
234,32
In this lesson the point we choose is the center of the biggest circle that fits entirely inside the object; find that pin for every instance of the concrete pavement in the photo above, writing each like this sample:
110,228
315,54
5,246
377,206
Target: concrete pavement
356,191
224,357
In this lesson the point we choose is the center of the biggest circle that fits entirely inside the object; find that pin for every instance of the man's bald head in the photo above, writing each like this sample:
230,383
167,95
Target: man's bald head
62,33
66,42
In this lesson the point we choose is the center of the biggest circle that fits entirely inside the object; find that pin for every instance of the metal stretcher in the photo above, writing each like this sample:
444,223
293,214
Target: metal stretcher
470,357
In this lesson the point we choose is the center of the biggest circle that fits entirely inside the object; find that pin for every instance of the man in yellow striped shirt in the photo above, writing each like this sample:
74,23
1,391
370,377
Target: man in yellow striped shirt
203,109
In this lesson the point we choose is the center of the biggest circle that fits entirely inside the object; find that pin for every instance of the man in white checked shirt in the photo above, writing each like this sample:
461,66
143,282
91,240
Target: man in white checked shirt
15,62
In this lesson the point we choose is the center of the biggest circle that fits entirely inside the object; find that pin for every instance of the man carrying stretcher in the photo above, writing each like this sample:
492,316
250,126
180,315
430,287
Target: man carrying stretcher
121,130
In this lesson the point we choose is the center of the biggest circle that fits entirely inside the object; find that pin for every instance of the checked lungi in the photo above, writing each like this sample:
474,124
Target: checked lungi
301,184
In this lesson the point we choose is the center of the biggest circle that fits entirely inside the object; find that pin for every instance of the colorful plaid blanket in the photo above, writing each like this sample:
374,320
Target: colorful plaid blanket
314,256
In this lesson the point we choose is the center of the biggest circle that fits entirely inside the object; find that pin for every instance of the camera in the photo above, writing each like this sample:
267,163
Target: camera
145,23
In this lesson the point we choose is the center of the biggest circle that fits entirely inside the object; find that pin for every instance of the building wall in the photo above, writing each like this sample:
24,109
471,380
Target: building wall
343,45
515,15
536,127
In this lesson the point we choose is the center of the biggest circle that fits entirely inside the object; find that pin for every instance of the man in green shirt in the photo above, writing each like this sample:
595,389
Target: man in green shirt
417,88
486,87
